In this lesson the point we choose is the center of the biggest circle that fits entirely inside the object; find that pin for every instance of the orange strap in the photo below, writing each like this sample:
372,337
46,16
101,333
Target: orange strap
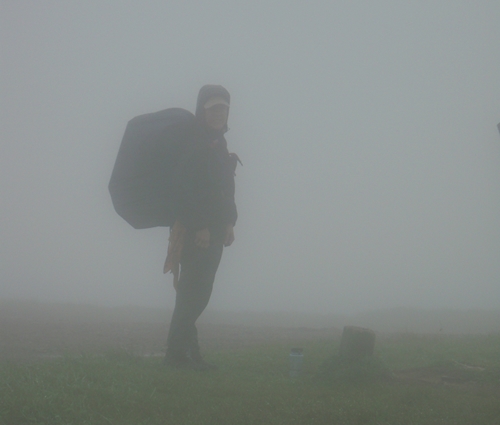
175,245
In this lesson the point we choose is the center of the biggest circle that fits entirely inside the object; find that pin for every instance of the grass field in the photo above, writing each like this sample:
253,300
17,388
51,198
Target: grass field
435,380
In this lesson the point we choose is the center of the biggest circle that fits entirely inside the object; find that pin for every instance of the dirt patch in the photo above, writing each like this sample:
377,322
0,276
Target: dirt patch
443,374
453,375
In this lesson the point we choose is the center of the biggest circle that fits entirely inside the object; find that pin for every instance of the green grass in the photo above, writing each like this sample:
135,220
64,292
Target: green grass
253,387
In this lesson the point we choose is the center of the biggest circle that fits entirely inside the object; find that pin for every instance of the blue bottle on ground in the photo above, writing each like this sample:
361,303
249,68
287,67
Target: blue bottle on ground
296,360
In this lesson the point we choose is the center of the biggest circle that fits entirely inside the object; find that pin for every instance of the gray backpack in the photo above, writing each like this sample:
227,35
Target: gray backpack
141,183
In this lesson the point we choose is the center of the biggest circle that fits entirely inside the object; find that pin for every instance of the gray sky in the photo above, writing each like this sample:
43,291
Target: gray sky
367,131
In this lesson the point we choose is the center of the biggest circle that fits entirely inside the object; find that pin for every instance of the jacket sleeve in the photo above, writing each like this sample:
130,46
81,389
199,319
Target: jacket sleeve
229,211
234,159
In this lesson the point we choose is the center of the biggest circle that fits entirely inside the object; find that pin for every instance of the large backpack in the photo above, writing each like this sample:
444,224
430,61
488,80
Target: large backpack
141,183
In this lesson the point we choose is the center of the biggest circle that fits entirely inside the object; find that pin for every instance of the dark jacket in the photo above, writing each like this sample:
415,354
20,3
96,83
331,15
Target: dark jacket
204,194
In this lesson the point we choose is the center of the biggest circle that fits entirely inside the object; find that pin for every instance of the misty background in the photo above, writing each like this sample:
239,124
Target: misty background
367,131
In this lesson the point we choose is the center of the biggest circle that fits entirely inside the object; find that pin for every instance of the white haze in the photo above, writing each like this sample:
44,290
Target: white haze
367,131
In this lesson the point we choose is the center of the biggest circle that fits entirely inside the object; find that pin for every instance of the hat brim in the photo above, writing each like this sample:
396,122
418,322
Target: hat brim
216,100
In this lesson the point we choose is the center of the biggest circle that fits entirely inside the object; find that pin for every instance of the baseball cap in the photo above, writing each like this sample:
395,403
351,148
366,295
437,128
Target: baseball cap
216,100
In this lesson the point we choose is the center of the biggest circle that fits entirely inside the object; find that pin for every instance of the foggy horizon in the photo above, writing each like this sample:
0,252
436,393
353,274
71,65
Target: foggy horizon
368,136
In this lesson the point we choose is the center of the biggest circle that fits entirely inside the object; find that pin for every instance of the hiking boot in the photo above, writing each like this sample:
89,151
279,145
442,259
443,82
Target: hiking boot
203,366
187,363
176,361
196,357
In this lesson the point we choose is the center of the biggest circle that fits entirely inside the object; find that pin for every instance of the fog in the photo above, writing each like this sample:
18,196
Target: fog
367,131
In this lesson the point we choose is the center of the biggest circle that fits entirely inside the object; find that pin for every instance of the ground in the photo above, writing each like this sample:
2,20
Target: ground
36,331
30,331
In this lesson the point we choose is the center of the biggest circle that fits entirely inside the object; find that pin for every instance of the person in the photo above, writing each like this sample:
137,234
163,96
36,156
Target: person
205,212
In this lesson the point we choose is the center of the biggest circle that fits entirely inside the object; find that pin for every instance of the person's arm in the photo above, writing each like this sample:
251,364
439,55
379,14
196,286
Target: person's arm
230,204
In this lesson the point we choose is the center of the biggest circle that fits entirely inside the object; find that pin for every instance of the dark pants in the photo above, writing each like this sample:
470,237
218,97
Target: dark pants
198,268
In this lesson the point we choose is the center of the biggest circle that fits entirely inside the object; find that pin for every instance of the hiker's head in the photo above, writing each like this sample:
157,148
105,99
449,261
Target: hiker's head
216,115
213,107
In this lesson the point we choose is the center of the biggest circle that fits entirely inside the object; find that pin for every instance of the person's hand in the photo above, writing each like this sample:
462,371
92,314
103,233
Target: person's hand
229,235
202,238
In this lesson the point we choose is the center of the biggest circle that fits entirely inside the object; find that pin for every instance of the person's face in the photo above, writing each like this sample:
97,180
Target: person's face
216,116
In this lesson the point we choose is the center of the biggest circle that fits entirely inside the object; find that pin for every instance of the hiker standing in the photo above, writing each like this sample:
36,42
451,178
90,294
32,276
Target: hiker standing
205,213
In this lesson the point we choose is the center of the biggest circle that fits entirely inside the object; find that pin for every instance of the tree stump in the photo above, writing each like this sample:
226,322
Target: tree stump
357,342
